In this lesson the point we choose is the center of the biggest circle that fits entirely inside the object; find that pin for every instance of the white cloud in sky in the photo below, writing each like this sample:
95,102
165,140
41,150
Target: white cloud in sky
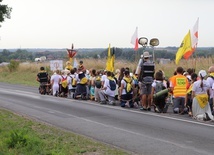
96,23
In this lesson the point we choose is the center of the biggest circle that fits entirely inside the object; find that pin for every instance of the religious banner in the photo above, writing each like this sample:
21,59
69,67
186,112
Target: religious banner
56,65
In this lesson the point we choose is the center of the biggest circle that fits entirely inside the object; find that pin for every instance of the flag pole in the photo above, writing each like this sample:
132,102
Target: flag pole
153,53
136,55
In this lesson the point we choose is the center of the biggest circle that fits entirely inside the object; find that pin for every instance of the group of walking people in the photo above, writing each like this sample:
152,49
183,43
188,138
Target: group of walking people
188,92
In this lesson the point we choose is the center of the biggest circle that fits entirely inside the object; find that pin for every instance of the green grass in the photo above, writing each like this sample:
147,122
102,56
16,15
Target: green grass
22,136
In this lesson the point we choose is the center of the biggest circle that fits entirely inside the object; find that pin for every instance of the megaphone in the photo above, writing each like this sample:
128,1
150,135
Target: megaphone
143,41
154,42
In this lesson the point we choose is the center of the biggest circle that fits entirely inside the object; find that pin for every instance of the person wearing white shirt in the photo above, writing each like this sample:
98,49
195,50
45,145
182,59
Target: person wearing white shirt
200,105
105,92
213,95
210,80
71,80
126,97
103,77
55,81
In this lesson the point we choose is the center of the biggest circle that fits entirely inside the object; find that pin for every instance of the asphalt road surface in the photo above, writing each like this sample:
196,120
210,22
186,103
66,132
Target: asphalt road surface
145,133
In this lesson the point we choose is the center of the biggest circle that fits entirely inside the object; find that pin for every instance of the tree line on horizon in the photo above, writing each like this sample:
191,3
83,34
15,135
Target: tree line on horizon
120,54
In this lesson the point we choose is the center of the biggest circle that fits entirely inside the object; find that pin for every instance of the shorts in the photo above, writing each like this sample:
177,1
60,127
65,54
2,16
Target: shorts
146,89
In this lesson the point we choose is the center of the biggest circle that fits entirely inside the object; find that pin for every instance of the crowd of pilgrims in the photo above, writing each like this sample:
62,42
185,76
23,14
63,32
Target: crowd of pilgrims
188,92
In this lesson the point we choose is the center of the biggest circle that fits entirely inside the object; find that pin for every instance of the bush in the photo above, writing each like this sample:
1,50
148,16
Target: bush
13,66
16,138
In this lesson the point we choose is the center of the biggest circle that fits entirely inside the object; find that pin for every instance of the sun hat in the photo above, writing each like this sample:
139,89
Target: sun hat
211,69
202,73
146,55
185,73
117,71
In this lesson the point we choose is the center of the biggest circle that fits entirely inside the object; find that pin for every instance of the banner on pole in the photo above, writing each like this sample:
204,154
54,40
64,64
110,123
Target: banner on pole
56,65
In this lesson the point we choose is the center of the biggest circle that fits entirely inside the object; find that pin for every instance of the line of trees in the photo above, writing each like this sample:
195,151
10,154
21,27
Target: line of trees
120,53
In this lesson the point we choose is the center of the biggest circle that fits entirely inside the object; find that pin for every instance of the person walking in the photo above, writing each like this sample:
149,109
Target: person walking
55,81
43,78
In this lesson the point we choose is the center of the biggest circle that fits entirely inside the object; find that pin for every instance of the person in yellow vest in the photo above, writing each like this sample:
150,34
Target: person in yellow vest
179,85
200,105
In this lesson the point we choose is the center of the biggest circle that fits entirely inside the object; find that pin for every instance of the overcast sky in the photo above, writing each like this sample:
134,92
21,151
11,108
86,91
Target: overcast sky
96,23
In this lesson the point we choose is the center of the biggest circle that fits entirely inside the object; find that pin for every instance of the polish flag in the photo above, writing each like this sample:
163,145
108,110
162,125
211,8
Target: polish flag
134,39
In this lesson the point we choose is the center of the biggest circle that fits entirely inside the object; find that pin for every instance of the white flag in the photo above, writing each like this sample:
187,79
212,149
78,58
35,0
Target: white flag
134,39
194,40
194,35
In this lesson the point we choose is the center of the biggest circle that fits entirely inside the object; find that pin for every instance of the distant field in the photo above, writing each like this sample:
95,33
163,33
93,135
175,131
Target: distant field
26,73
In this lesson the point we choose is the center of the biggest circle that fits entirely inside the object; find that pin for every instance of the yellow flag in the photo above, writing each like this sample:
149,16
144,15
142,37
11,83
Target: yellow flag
112,60
108,62
184,47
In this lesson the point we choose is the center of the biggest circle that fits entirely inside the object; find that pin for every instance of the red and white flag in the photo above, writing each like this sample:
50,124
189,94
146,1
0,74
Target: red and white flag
194,40
134,39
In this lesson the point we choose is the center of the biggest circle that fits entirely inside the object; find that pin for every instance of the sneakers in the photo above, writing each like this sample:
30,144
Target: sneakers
157,110
143,109
127,105
103,102
56,94
136,105
206,118
165,108
111,103
176,110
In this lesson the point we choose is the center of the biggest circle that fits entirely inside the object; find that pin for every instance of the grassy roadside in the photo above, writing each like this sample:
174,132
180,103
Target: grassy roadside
20,135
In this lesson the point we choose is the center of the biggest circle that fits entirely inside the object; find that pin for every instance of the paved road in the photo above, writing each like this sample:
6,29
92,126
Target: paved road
140,132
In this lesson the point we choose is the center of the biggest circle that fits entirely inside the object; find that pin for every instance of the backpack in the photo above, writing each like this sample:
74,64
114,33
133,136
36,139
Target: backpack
98,82
128,87
43,77
84,81
73,81
159,87
112,85
147,70
135,81
211,77
64,82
